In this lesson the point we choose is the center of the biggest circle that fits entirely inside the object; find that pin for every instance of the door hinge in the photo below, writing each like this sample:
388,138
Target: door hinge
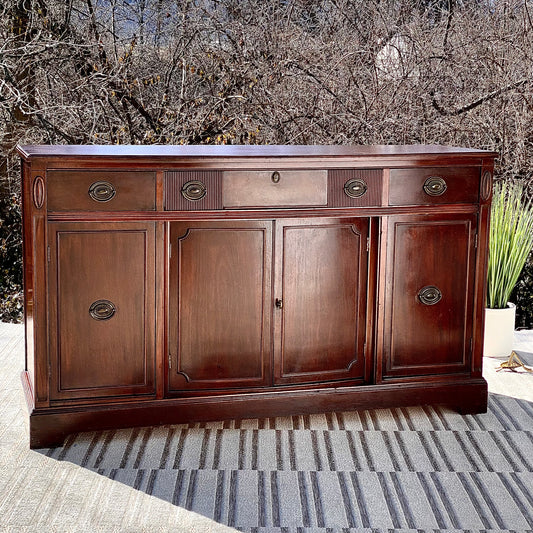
48,253
169,361
368,244
475,240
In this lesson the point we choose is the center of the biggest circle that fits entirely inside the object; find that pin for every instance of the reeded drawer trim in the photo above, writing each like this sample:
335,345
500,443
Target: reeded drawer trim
176,190
274,188
338,178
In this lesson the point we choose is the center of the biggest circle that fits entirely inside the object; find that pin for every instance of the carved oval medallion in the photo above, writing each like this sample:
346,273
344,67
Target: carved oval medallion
486,185
38,192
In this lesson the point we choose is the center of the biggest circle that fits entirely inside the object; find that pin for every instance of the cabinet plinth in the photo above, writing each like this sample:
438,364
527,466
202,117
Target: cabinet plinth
176,284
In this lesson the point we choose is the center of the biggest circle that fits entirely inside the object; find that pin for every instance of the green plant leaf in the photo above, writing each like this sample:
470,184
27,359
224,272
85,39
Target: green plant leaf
510,241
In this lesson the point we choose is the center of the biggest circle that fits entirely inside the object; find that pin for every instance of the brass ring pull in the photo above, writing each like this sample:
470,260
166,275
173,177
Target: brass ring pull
355,188
435,186
102,309
429,295
193,190
276,176
102,191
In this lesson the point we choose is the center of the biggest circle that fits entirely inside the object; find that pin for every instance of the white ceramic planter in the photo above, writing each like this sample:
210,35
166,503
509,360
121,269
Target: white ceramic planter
499,331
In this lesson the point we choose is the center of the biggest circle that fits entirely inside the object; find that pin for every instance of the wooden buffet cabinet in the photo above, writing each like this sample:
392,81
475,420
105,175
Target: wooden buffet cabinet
176,284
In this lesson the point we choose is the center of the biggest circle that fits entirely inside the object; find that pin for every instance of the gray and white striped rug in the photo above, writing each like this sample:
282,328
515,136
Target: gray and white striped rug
416,469
402,469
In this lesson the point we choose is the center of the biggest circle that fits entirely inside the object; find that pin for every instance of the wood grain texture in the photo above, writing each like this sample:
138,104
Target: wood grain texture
197,334
220,306
91,357
49,427
68,190
321,324
407,185
338,177
174,181
435,251
245,189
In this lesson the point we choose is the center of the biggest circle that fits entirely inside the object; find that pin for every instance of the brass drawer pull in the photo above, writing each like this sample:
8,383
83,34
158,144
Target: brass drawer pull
102,191
435,186
193,190
429,295
355,188
102,309
276,176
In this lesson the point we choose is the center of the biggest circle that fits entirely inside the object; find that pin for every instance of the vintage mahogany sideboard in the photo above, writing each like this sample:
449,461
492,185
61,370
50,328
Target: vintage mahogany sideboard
170,284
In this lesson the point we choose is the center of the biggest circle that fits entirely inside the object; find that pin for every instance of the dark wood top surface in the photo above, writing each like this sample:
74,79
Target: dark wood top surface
245,151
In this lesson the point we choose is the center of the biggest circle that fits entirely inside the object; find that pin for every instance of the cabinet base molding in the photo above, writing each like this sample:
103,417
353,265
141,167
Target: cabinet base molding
49,427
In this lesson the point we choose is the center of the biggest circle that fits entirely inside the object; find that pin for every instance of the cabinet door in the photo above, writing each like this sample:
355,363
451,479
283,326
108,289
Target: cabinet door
321,286
429,294
102,309
220,305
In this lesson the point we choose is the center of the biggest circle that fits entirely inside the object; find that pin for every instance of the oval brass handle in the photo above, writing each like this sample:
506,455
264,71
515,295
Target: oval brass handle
102,191
102,309
435,186
355,188
429,295
193,190
276,176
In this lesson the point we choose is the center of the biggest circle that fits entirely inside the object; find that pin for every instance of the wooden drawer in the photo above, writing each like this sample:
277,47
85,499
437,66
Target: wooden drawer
100,190
434,185
279,188
352,187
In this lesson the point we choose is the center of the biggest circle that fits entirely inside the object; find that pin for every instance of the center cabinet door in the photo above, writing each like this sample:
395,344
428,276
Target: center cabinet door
320,290
220,305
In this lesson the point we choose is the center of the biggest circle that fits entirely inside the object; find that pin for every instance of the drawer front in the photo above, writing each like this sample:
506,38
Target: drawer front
354,187
100,190
274,188
193,190
434,185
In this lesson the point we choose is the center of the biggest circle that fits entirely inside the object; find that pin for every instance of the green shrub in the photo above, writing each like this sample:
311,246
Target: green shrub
11,297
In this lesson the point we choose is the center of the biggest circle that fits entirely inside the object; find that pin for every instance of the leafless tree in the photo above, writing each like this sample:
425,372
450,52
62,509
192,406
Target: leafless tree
268,71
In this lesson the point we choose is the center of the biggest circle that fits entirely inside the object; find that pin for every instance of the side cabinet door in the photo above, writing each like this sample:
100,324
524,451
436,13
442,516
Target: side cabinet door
102,309
429,295
321,288
220,305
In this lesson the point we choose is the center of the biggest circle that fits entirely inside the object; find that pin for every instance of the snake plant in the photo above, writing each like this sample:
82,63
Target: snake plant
510,241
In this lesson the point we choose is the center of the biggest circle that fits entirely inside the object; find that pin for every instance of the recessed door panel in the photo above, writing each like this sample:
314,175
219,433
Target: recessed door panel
102,304
428,324
321,299
219,326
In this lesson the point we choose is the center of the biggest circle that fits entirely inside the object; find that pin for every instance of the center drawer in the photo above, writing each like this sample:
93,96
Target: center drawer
274,188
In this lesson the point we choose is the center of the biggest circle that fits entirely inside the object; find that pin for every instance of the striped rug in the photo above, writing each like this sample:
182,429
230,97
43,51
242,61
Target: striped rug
403,469
414,469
